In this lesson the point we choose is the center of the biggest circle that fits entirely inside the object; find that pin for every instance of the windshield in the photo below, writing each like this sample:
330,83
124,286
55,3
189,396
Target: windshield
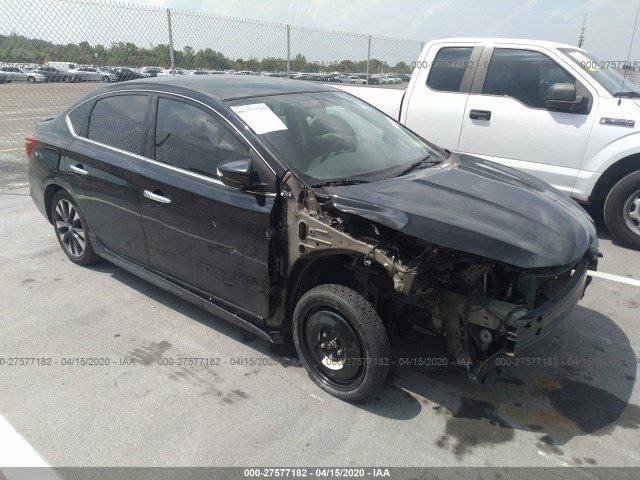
332,136
602,72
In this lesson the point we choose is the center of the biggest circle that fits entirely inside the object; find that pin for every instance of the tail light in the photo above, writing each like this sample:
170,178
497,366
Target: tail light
29,143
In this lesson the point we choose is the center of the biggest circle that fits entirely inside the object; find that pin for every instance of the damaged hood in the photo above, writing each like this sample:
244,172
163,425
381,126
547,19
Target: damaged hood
479,207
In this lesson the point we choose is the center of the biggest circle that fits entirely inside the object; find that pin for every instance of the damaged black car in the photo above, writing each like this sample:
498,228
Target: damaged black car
300,212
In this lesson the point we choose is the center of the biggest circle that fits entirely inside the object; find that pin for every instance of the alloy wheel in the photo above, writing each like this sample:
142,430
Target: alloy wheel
69,227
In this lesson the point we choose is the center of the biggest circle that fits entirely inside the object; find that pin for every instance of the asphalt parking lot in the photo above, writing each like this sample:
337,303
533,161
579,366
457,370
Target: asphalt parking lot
575,403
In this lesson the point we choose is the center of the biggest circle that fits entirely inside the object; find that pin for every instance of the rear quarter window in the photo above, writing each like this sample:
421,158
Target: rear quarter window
78,116
118,121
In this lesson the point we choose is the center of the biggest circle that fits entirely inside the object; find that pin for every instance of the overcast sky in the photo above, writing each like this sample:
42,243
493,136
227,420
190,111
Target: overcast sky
608,34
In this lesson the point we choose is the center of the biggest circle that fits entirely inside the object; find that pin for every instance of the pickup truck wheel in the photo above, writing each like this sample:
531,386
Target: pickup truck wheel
71,229
341,342
622,211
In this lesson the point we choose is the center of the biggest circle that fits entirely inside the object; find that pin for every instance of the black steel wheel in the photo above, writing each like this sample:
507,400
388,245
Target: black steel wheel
341,342
622,211
71,229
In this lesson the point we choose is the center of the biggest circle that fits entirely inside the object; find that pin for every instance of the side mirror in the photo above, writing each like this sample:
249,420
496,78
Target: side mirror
236,173
562,97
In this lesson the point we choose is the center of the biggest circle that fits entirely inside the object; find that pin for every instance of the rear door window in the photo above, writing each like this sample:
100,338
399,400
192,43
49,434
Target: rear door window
449,67
118,121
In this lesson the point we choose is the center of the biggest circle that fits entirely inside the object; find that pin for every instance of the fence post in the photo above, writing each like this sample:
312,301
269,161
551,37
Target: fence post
368,57
421,47
288,51
173,60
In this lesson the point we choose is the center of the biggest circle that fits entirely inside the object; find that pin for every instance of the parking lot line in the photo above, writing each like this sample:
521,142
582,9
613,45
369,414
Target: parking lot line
11,149
616,278
15,451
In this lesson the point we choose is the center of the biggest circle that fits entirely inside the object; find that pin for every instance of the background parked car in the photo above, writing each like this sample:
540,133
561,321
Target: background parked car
53,74
393,79
357,80
124,74
373,80
63,66
16,74
154,71
91,74
341,79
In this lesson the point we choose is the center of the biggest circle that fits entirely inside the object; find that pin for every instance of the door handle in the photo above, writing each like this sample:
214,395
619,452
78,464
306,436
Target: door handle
480,115
154,197
78,169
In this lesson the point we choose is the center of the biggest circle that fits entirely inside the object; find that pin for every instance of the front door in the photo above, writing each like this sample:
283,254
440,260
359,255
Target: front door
199,231
507,121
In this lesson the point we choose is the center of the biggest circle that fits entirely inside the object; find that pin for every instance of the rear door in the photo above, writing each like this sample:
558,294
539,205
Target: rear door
436,104
199,231
102,164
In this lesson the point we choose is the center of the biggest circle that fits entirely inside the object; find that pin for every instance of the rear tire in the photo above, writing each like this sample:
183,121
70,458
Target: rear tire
71,229
341,341
622,211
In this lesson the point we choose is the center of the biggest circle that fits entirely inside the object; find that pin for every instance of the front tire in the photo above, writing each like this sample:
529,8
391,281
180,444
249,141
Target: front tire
341,341
31,80
71,229
105,79
622,211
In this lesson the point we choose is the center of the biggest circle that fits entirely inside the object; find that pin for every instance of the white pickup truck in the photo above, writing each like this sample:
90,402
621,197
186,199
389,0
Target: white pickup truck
548,109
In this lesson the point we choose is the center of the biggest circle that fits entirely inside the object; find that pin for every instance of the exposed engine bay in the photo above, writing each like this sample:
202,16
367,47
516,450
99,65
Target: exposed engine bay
476,304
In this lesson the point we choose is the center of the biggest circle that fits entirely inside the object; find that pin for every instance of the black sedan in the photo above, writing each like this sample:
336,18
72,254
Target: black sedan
295,210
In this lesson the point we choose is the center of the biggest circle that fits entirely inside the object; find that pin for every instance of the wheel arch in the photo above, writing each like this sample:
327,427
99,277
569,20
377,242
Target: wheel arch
613,174
319,269
49,193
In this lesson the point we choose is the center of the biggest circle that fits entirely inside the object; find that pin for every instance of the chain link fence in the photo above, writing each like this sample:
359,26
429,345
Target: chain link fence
54,51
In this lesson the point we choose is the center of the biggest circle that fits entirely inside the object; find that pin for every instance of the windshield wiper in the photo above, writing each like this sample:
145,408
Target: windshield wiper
419,163
627,94
339,183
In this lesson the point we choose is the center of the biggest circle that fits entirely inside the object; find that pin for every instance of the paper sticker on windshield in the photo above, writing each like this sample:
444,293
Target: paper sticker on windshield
259,117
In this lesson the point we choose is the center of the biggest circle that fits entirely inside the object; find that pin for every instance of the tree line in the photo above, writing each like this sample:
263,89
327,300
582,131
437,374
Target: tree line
20,49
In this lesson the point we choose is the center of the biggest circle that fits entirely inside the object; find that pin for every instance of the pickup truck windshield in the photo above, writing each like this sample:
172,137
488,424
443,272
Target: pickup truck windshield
327,136
602,72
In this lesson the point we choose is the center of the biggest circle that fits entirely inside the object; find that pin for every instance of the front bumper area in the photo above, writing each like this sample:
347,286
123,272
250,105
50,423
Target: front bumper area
529,329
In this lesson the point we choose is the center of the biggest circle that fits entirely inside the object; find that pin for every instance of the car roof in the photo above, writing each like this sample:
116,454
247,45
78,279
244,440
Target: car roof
225,87
505,41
